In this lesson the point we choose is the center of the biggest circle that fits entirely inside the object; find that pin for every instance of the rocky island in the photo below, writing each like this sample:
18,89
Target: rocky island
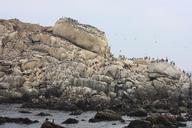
70,67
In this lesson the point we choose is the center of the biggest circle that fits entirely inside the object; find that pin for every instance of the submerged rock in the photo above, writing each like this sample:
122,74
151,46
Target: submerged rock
70,121
43,114
16,120
25,112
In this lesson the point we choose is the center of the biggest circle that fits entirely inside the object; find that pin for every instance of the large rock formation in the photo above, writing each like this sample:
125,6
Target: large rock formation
64,66
85,36
163,70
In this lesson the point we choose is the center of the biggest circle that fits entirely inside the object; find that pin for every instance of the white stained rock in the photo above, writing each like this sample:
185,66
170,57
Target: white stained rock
82,90
102,78
163,69
93,84
84,36
112,94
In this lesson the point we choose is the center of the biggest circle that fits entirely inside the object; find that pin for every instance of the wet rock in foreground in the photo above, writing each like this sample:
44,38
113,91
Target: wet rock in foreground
70,121
138,113
43,114
157,121
25,112
106,115
139,124
17,120
48,124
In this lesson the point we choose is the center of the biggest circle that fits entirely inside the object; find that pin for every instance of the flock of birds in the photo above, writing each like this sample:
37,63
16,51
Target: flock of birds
153,60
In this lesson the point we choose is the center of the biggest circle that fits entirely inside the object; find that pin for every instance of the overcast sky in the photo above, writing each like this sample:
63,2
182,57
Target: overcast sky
137,28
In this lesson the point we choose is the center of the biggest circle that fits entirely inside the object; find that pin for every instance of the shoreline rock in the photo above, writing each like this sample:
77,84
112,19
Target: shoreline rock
48,124
106,115
16,120
43,114
70,121
156,121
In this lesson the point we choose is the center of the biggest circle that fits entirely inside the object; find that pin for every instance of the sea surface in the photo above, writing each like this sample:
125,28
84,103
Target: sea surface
12,110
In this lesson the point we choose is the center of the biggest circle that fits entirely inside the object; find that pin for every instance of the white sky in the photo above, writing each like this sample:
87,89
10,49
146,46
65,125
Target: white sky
156,28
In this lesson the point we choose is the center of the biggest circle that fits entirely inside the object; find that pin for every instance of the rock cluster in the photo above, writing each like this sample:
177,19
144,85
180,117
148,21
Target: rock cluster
16,120
157,121
42,67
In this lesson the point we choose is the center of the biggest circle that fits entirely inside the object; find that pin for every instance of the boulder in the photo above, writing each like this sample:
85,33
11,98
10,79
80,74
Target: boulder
162,69
17,25
164,120
84,36
181,118
137,113
70,121
139,124
16,120
106,115
48,124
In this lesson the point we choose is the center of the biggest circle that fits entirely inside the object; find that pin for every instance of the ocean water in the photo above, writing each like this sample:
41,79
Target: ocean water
11,110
